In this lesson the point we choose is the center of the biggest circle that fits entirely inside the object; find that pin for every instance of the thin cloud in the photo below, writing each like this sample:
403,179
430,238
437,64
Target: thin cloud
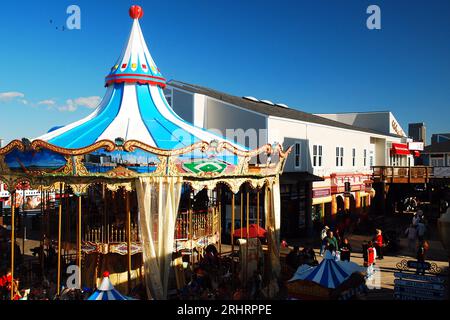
72,105
48,102
8,96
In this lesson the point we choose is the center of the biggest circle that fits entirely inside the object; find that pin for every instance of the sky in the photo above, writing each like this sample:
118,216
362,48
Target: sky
317,56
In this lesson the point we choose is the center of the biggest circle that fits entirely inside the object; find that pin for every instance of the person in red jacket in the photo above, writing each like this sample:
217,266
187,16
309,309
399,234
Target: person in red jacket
378,241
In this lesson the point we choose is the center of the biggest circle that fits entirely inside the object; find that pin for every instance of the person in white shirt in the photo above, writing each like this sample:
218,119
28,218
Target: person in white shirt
323,235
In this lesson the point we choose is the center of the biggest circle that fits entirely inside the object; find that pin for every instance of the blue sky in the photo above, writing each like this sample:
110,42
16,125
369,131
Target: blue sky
317,56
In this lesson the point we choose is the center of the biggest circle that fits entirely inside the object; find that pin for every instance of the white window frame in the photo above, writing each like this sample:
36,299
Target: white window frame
297,155
354,157
339,156
317,155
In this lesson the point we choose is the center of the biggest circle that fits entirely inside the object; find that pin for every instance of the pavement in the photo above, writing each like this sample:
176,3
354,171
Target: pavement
387,266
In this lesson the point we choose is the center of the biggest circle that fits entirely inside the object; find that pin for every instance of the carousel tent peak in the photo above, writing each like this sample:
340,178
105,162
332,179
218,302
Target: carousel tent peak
135,64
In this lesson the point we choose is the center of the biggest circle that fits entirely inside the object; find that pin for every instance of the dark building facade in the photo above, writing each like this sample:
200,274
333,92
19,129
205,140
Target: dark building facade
417,131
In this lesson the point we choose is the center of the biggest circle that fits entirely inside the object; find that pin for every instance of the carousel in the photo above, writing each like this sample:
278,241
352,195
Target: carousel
130,185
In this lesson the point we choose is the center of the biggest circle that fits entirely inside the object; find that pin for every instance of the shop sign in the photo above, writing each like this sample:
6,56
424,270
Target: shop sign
320,193
415,146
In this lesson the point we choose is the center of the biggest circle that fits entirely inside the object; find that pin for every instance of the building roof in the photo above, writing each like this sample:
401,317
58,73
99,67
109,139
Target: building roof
270,110
443,147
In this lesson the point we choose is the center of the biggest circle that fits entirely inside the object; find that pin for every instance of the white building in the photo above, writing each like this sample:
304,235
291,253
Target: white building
328,150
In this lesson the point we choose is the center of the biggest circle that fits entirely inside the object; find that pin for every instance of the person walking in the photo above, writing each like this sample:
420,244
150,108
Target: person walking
346,250
411,233
323,235
371,258
332,241
378,242
421,229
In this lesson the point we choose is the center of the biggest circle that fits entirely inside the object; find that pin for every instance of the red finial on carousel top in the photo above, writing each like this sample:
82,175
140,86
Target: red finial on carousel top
106,274
136,12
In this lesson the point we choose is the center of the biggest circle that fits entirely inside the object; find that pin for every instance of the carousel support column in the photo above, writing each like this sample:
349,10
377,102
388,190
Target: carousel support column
24,220
248,233
233,203
58,276
219,218
127,199
242,215
105,238
13,240
79,241
67,223
191,229
257,224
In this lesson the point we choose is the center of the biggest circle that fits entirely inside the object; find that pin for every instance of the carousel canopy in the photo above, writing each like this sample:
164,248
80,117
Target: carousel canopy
133,133
106,291
329,273
134,106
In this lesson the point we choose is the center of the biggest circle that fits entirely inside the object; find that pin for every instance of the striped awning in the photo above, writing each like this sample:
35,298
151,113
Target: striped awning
400,149
106,291
329,273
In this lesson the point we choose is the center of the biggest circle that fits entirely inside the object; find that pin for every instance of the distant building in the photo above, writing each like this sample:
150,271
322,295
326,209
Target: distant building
439,137
438,156
417,132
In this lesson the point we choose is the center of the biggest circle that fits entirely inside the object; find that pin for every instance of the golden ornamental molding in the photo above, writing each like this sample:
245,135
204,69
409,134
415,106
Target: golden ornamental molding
108,145
15,144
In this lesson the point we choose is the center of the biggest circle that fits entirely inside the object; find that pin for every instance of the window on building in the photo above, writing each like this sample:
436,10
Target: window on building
317,155
339,156
365,157
354,157
437,160
168,93
297,155
448,160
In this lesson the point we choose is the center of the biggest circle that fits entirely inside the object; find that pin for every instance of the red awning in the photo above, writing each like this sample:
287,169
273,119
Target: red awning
400,148
416,153
254,231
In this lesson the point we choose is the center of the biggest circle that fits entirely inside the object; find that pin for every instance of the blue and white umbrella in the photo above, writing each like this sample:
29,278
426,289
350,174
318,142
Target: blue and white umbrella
329,273
106,291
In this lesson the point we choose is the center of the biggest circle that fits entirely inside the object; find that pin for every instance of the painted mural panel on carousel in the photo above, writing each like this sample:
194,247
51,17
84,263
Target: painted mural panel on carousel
34,161
139,161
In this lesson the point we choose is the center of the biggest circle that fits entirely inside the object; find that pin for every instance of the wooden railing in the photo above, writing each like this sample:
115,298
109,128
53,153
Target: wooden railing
395,174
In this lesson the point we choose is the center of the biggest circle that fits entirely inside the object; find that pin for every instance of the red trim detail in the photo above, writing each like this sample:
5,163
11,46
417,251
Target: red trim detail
140,81
134,75
400,148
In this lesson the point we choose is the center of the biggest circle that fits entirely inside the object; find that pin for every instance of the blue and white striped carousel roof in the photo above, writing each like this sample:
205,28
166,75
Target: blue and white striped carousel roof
106,291
329,273
134,106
